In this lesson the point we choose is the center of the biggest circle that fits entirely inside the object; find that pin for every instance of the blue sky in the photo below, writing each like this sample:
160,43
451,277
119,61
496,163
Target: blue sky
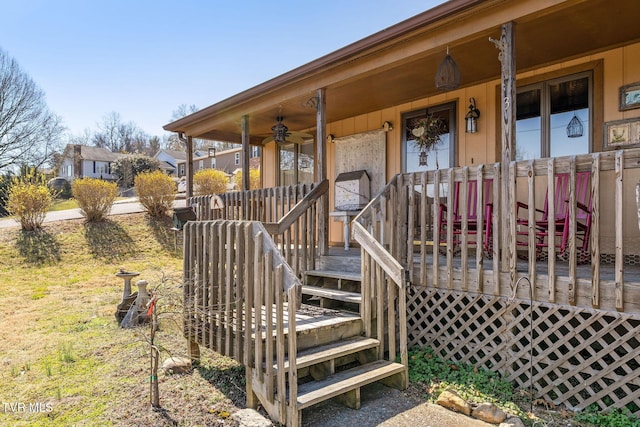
143,58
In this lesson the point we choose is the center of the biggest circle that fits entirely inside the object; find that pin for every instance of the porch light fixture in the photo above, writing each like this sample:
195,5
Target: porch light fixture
472,116
575,128
279,131
448,75
212,151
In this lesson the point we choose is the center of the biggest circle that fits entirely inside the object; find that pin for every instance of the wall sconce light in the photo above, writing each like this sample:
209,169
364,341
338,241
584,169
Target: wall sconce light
387,126
472,116
330,138
212,151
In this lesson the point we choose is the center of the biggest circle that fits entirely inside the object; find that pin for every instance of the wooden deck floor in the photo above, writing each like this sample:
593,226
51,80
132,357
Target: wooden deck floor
607,270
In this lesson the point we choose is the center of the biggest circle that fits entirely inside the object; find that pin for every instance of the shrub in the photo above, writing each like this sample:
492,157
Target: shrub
29,200
94,197
156,192
5,185
254,179
209,181
126,168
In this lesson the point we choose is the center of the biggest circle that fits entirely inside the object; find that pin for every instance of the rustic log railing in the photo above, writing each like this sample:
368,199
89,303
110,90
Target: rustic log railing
289,214
240,300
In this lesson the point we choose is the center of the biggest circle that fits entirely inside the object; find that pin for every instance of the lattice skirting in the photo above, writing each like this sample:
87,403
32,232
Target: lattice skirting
580,356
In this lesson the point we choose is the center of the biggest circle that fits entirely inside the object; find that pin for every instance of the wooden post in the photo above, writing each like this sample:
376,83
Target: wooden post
189,166
507,58
321,171
246,151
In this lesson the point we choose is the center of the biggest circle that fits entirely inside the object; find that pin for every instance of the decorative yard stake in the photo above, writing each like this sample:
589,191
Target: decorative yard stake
155,354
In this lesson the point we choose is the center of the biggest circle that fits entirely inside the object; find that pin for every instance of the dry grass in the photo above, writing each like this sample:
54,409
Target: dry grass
60,344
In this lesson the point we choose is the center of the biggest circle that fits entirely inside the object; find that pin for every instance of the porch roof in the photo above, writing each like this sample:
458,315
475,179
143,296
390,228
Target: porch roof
398,64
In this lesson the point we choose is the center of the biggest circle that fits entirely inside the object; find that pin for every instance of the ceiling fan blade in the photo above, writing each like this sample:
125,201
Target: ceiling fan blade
293,136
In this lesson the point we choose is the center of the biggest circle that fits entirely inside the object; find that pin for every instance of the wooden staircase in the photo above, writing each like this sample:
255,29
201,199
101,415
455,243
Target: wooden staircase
336,283
339,367
241,300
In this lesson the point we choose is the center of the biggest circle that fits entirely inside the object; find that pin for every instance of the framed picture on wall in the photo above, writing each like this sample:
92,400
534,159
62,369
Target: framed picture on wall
622,134
630,97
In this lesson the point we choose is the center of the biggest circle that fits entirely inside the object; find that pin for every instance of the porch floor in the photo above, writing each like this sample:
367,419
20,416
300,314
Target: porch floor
583,270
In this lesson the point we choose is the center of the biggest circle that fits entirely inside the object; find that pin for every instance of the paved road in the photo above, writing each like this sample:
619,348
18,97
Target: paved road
124,206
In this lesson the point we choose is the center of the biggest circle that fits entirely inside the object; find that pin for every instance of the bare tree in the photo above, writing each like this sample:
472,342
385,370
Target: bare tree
173,143
120,137
108,135
29,132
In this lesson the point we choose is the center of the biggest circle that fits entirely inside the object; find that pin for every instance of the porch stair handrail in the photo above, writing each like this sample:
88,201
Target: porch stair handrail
298,210
291,226
240,299
382,275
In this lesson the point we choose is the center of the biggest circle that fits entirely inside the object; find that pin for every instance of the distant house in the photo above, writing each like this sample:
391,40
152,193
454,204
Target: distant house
227,161
170,159
82,161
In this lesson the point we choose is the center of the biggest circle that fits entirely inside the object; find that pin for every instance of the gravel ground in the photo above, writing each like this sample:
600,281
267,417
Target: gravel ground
387,407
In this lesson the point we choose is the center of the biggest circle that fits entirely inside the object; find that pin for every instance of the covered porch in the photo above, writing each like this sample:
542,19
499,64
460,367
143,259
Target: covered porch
488,278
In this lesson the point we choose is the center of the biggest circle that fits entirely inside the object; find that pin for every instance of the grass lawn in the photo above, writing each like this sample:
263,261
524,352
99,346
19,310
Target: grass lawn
61,350
65,361
63,204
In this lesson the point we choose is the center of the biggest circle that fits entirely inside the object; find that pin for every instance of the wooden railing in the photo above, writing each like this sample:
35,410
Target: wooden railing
289,215
264,204
240,301
410,219
383,286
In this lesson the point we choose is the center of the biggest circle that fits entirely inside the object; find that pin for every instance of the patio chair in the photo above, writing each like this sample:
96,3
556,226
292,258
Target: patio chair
561,217
473,228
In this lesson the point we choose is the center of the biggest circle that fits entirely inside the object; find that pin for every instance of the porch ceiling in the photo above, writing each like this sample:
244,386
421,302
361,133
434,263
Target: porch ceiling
401,69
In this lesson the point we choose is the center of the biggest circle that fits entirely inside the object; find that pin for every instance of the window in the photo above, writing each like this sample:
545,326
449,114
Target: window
443,155
237,158
181,173
296,163
100,168
200,164
213,163
543,113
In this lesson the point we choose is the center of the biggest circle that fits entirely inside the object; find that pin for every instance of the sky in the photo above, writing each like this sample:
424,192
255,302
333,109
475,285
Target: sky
144,58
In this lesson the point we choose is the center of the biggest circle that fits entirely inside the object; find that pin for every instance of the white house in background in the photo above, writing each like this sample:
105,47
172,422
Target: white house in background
170,159
82,161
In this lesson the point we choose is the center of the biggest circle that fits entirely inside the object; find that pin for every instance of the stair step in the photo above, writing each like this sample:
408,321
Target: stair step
342,275
330,351
315,392
334,294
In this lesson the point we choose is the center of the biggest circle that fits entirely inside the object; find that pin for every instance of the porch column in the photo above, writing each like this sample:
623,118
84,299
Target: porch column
321,171
246,151
507,57
189,167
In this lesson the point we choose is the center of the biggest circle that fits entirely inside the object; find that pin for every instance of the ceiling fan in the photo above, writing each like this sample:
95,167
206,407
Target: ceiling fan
281,134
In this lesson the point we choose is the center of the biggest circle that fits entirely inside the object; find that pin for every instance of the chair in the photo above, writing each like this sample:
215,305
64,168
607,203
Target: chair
561,216
473,227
